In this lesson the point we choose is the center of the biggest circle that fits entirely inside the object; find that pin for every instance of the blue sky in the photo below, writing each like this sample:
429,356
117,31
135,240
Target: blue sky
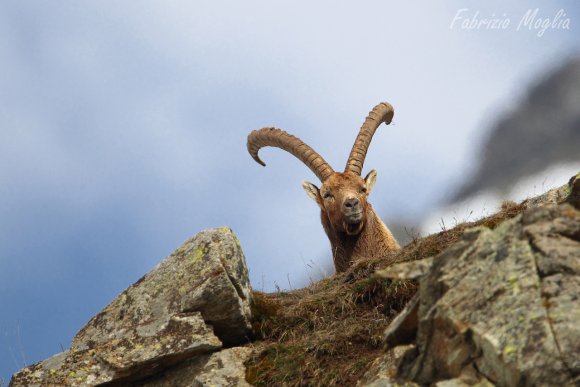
123,131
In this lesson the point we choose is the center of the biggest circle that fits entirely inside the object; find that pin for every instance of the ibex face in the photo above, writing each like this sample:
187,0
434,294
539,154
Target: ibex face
343,199
353,228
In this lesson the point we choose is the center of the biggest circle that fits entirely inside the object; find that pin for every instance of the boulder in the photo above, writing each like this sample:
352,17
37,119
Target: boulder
383,371
574,197
207,274
503,303
407,270
224,368
403,329
123,359
191,303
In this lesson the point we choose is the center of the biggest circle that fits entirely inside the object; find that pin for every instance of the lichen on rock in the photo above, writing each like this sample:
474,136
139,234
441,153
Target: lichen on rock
223,368
196,299
504,301
497,305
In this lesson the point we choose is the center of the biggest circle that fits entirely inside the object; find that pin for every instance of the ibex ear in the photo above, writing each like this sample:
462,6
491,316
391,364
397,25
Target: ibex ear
312,191
370,180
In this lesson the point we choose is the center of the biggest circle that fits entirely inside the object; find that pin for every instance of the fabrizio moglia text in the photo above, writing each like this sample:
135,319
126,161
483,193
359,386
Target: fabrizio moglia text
531,20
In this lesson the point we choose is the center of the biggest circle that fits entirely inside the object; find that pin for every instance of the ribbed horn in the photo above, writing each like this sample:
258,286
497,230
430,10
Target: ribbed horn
383,112
280,139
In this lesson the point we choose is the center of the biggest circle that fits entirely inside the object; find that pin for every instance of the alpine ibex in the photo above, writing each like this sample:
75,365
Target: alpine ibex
351,224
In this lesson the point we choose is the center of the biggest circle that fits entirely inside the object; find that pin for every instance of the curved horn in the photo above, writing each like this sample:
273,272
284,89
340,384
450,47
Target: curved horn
280,139
383,112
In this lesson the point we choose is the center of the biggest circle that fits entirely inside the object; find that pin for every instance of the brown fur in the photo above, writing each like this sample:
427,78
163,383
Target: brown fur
351,224
368,237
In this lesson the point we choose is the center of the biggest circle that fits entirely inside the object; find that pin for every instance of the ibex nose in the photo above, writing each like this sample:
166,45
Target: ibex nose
351,203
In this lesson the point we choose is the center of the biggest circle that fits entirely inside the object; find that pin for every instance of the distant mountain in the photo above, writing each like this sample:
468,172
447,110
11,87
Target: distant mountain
543,131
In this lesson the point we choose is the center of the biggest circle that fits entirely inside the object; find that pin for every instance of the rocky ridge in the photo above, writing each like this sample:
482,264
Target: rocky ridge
488,303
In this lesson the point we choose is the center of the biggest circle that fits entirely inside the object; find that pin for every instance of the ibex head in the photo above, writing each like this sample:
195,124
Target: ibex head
342,196
343,200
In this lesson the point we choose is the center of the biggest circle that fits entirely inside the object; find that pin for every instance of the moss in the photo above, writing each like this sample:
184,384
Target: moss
199,253
224,229
509,350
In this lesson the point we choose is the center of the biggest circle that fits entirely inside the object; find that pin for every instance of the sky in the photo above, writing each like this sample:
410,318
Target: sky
123,132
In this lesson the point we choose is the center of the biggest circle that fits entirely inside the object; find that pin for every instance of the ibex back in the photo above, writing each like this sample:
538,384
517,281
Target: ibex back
351,224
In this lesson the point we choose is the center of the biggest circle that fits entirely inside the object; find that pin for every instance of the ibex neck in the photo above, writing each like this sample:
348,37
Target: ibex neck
374,241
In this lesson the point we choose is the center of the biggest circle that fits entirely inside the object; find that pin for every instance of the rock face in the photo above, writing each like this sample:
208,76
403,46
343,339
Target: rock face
501,306
183,310
382,371
224,368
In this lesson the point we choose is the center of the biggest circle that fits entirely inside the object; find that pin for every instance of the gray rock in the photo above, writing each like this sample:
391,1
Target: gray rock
553,196
224,368
407,270
465,381
382,373
125,358
469,377
207,274
186,307
504,302
574,197
403,329
555,239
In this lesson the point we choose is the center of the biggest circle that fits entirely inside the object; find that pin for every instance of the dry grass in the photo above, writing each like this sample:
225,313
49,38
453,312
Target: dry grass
325,334
433,244
330,332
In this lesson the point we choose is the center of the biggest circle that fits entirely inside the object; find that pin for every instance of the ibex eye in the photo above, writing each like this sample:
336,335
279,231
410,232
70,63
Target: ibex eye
363,189
327,195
